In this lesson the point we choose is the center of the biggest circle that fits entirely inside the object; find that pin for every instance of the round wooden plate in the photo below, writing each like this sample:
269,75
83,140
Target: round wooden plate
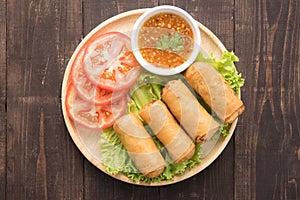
88,141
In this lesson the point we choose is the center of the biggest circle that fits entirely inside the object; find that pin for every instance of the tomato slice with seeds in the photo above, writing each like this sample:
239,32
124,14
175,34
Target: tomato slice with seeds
91,116
87,90
109,63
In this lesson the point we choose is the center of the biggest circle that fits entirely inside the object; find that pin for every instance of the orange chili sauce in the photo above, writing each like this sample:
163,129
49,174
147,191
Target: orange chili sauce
157,26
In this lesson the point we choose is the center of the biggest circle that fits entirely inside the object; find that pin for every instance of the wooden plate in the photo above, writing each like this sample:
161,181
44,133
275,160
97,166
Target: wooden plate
88,141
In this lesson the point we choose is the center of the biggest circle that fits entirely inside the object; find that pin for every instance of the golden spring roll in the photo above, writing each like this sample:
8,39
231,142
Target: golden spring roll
139,145
178,144
215,91
196,121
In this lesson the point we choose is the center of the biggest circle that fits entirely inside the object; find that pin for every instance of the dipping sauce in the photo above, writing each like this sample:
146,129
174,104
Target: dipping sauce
166,40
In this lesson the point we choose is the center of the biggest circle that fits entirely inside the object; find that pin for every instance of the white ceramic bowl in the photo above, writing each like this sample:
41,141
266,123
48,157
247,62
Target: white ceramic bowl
165,9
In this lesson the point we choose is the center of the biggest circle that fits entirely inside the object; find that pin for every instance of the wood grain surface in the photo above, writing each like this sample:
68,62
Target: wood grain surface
3,110
38,159
267,164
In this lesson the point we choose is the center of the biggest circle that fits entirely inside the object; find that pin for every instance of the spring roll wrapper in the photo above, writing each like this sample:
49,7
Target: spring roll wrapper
178,144
215,91
139,145
196,121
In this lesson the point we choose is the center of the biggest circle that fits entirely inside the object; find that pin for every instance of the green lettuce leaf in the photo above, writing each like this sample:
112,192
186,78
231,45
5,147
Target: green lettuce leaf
224,130
226,68
147,88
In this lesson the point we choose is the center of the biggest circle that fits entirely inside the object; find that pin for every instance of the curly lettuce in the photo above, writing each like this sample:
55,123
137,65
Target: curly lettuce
226,68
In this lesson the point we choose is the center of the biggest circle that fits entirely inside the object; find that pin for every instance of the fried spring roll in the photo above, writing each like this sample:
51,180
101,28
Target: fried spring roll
197,122
178,144
139,145
215,91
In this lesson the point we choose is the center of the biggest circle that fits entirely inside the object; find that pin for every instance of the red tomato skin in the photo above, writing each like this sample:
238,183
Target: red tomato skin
95,64
71,98
81,82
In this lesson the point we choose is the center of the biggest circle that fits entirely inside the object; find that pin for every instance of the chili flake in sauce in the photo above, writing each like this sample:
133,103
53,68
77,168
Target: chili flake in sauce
166,40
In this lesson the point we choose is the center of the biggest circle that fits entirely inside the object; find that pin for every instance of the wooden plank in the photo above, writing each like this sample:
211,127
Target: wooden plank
68,35
124,6
42,160
3,98
98,11
267,146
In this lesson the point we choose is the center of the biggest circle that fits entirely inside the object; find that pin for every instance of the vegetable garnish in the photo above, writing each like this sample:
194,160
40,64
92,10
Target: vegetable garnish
226,68
104,65
148,87
89,115
174,43
108,62
224,130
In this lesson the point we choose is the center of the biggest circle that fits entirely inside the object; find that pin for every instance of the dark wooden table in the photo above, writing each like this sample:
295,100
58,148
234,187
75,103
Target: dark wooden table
38,159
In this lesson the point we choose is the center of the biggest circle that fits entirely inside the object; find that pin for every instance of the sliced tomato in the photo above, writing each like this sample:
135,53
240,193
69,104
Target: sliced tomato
109,62
87,90
91,116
